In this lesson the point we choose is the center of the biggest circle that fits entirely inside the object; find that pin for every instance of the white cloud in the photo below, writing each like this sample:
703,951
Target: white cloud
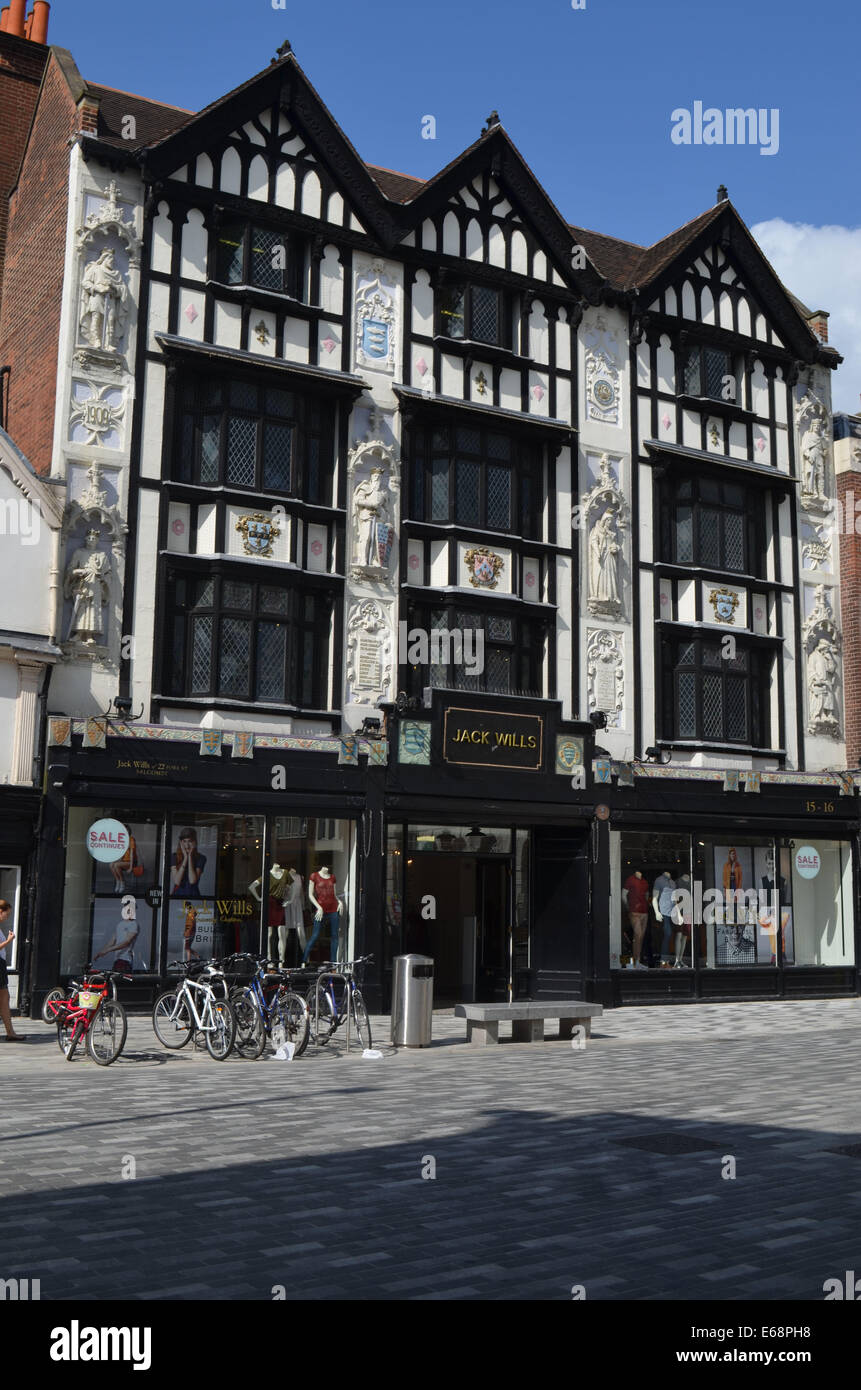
822,266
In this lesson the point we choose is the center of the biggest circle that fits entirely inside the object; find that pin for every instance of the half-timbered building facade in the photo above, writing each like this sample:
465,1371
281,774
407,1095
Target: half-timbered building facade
476,558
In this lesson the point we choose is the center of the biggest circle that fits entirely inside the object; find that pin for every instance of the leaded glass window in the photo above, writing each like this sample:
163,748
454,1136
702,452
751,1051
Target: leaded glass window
712,698
468,476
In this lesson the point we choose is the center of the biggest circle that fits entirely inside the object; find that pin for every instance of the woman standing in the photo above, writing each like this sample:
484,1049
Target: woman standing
5,1015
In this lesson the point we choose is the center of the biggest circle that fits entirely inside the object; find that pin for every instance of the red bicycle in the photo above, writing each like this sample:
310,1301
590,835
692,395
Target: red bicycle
91,1011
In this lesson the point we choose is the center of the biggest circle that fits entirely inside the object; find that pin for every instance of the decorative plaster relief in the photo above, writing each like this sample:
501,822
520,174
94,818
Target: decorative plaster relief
96,414
815,451
373,475
376,318
606,674
822,643
370,645
603,371
606,516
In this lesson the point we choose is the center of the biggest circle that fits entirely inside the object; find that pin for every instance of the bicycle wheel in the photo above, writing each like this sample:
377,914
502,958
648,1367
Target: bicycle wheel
106,1035
292,1015
323,1019
54,996
250,1033
219,1041
172,1021
360,1016
69,1034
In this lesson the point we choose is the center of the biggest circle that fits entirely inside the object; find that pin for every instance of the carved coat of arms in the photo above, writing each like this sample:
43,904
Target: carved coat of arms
484,567
724,602
258,533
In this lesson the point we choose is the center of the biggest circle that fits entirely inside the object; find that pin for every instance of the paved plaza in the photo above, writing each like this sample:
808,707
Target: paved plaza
554,1166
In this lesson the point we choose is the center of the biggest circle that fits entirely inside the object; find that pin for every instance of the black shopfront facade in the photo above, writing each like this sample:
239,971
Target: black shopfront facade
788,852
205,831
474,832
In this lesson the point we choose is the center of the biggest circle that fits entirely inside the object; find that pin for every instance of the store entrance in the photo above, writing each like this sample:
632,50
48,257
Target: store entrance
458,910
492,931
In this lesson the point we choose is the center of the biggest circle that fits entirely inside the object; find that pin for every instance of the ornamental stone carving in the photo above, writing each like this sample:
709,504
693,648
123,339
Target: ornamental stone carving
822,643
369,653
376,319
87,584
108,249
373,475
606,674
603,360
103,300
605,514
814,453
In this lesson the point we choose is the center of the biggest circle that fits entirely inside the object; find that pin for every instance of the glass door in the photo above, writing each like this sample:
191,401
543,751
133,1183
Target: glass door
494,938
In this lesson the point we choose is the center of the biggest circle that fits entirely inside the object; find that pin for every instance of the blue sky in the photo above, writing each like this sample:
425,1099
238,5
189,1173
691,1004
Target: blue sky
585,94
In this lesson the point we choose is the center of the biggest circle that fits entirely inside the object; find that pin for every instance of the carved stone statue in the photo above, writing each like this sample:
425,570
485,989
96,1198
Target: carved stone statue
372,530
87,582
822,673
103,297
814,458
604,562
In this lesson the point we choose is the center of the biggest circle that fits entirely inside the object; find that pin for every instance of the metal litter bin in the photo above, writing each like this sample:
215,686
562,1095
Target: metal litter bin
412,1001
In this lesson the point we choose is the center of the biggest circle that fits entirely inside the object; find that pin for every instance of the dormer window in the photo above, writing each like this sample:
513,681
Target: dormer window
473,312
258,256
709,372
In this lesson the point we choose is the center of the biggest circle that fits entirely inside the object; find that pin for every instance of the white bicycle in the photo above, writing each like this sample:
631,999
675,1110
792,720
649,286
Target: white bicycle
176,1017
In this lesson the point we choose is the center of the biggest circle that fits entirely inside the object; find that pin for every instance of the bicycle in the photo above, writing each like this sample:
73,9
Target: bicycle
62,994
175,1016
267,1008
88,1012
328,1011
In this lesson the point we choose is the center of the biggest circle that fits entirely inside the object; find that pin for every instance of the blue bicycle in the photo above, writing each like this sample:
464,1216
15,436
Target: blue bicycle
266,1008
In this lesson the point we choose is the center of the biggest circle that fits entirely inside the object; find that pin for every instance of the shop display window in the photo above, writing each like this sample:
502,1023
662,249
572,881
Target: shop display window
212,862
111,907
743,912
309,853
821,878
739,901
646,931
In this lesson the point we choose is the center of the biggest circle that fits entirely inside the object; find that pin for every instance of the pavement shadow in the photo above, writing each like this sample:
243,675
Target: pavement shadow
514,1205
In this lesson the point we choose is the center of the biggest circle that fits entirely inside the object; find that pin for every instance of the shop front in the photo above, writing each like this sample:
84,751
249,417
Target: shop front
488,848
156,853
714,897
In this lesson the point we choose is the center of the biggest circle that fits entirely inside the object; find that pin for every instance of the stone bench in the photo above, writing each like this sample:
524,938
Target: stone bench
527,1019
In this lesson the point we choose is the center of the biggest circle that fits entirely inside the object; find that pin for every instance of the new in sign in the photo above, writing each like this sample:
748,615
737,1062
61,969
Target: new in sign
483,739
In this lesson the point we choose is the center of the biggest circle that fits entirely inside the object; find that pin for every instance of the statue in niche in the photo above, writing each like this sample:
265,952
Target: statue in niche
604,550
814,457
373,531
87,581
823,672
103,292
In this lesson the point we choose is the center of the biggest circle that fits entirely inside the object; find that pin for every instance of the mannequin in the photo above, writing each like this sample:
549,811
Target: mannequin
683,927
635,895
278,885
662,905
294,919
328,906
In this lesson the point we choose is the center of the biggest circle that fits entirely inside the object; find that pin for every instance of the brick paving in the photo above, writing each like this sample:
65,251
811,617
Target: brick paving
309,1174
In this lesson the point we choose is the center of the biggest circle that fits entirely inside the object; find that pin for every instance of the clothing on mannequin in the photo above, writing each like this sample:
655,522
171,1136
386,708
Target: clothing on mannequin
635,895
683,927
662,904
328,906
285,887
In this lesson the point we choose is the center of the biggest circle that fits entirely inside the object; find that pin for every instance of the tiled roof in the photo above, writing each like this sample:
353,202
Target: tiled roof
153,119
399,187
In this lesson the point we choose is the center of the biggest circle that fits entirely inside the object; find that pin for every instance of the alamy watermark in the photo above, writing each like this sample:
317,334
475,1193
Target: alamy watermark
735,126
20,517
440,647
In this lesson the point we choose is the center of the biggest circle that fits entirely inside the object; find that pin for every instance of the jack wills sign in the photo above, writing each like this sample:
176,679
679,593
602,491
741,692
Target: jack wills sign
485,739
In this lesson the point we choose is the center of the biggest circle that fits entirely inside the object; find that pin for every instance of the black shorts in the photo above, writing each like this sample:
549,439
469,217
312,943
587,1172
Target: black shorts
4,975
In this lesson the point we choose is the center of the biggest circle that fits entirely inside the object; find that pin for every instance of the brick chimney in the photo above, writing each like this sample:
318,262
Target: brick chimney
819,323
88,115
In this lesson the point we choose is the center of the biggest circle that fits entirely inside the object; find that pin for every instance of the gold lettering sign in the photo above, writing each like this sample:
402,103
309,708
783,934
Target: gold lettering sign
489,739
